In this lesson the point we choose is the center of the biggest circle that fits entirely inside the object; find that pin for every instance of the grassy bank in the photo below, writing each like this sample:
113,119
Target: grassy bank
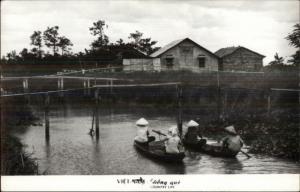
15,161
15,117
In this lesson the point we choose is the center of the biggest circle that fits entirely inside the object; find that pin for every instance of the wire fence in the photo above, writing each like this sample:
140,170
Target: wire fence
87,74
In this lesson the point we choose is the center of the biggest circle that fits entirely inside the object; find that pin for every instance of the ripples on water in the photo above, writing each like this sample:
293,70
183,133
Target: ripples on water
72,151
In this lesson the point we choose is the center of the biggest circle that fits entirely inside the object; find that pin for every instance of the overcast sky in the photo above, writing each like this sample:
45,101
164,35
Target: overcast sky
257,25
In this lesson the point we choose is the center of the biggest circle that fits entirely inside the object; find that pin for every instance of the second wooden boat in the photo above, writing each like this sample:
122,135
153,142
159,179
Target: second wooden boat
214,149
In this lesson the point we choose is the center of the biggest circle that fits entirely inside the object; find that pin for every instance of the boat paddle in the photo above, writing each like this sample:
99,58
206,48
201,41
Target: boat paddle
245,153
158,132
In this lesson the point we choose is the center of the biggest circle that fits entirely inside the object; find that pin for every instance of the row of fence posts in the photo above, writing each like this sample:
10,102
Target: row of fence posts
222,104
219,103
95,115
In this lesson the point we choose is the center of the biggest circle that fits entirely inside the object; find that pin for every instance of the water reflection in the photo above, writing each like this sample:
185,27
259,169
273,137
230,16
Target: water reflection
45,169
47,148
174,169
232,166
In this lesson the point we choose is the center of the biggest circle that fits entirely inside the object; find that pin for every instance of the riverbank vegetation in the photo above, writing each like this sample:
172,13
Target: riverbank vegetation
277,135
274,133
15,117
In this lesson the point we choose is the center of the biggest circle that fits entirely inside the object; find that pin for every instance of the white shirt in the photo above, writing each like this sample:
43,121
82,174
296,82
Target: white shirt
234,142
141,134
172,144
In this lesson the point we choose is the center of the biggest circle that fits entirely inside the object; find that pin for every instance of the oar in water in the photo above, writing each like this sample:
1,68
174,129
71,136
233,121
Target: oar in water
245,153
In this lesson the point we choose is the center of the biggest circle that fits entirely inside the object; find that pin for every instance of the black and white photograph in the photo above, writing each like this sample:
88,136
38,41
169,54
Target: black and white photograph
150,93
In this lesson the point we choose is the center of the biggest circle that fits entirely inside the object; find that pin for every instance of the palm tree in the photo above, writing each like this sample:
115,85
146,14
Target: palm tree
278,61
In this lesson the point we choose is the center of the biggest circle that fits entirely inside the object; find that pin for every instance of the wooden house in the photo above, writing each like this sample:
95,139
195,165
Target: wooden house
239,59
185,54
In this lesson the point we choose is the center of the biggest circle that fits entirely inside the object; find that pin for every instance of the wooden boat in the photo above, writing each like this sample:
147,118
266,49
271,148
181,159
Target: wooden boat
156,150
218,151
213,149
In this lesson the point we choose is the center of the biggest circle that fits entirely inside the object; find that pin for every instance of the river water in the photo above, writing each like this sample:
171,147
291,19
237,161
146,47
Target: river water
72,151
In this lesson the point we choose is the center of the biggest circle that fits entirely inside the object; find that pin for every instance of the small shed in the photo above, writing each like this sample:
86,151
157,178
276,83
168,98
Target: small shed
239,59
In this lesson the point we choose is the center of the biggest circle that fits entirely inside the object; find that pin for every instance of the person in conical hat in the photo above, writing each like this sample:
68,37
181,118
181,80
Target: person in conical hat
192,136
142,134
232,141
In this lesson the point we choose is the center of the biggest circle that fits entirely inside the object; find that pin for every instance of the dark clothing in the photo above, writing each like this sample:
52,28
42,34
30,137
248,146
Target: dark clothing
192,135
151,138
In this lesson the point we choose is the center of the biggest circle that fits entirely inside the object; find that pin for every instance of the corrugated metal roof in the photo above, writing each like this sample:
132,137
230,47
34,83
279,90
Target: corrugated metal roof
166,48
229,50
176,42
225,51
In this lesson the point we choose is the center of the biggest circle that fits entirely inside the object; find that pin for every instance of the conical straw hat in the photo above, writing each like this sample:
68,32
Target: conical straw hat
192,123
142,121
230,129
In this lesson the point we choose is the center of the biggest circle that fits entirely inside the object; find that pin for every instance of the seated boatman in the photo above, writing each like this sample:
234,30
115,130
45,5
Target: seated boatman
192,135
142,132
232,141
172,142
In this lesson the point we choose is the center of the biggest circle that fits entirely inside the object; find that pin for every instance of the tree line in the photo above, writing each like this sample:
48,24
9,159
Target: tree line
101,49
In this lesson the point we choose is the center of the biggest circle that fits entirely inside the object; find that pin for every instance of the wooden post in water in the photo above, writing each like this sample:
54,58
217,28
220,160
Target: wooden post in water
111,87
88,86
179,105
25,85
60,86
47,124
62,83
84,86
97,113
269,103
